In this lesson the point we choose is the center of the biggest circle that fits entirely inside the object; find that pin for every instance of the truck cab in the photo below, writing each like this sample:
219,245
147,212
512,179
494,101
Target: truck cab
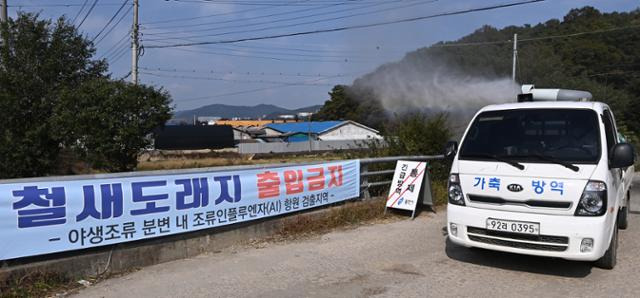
544,176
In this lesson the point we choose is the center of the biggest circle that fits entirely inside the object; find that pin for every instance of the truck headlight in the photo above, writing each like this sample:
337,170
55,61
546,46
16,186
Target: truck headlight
456,196
594,199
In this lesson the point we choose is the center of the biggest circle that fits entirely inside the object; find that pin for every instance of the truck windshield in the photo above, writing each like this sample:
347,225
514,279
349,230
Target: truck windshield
533,135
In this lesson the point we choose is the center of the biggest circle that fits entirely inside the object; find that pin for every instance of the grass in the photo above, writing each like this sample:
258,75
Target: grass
439,191
36,284
350,214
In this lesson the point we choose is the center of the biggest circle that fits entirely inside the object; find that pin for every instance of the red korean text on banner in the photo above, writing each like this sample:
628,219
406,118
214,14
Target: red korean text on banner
293,181
268,185
336,175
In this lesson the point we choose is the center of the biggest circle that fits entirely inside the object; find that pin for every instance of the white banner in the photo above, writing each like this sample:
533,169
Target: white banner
53,216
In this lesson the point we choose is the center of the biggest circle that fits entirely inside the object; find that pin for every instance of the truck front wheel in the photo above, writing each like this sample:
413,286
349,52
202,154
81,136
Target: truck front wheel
623,214
608,261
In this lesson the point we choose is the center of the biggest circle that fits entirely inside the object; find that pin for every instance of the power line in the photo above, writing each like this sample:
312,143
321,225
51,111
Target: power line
119,56
252,50
251,90
405,20
111,20
118,52
117,44
263,57
88,13
222,14
116,24
268,16
227,80
357,52
202,17
79,11
275,3
59,5
244,19
320,47
243,73
412,3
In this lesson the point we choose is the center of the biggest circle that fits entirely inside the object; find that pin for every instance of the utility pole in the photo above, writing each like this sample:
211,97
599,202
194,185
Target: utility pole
515,56
309,132
3,14
134,44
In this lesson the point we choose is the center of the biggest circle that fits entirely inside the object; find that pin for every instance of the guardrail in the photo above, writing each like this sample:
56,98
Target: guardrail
365,173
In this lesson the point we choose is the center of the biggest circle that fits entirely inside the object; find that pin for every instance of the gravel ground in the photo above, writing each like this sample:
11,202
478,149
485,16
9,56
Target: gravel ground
400,259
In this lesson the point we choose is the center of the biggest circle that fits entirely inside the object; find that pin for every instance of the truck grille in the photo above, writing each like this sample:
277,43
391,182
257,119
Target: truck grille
524,241
530,203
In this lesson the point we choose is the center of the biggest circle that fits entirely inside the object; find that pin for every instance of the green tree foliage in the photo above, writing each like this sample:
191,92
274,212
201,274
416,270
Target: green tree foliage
108,133
344,105
41,63
37,58
419,134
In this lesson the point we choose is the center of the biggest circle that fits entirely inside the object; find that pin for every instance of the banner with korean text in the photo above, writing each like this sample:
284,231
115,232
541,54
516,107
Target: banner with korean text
53,216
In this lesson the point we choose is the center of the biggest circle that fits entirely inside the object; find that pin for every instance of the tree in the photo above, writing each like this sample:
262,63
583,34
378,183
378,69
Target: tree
49,85
418,134
109,133
37,59
344,105
340,105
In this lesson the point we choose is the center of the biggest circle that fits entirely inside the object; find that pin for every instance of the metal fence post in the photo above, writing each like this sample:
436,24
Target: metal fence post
364,169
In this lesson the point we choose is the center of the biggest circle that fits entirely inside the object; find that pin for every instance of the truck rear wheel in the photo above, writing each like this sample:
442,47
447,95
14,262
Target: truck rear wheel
608,261
623,215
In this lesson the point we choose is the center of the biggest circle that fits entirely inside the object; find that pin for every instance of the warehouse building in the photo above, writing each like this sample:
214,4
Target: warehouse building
321,130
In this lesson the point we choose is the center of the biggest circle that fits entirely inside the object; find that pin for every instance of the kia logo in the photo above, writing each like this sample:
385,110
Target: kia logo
514,187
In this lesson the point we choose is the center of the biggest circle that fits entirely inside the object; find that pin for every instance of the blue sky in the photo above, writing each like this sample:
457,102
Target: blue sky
290,72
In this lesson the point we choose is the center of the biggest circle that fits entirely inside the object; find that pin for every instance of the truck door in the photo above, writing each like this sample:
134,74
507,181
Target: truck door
617,188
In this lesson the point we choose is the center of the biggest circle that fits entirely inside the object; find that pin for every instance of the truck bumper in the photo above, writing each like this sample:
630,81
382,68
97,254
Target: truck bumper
560,236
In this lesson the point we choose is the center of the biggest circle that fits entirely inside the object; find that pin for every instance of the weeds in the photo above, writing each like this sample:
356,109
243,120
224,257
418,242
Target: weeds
345,216
211,160
35,284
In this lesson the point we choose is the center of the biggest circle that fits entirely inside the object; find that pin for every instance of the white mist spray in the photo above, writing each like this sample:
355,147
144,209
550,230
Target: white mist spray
409,87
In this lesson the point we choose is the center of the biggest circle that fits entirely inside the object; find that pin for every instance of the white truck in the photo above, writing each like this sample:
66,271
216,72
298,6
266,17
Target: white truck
546,176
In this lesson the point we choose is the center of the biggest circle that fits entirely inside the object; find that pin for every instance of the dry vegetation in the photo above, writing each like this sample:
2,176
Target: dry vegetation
36,284
200,159
352,214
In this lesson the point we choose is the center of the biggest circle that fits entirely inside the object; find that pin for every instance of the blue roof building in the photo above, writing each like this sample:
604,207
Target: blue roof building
321,130
315,127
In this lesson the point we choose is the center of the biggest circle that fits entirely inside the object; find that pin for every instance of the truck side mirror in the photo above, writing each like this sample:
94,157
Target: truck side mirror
621,156
450,150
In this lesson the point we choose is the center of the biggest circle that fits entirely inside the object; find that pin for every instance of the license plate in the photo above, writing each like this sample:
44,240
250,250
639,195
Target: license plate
513,226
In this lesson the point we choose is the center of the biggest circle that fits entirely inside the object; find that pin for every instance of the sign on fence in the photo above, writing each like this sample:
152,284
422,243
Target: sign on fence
405,186
53,216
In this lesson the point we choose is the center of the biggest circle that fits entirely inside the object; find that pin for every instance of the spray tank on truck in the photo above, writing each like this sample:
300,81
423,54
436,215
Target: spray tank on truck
530,93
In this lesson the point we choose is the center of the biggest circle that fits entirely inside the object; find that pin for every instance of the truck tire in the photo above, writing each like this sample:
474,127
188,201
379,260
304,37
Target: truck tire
608,261
623,214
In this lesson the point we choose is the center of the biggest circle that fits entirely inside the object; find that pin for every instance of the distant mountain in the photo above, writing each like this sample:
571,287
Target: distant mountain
229,111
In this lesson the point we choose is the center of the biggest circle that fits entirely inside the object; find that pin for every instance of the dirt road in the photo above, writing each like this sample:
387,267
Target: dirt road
400,259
